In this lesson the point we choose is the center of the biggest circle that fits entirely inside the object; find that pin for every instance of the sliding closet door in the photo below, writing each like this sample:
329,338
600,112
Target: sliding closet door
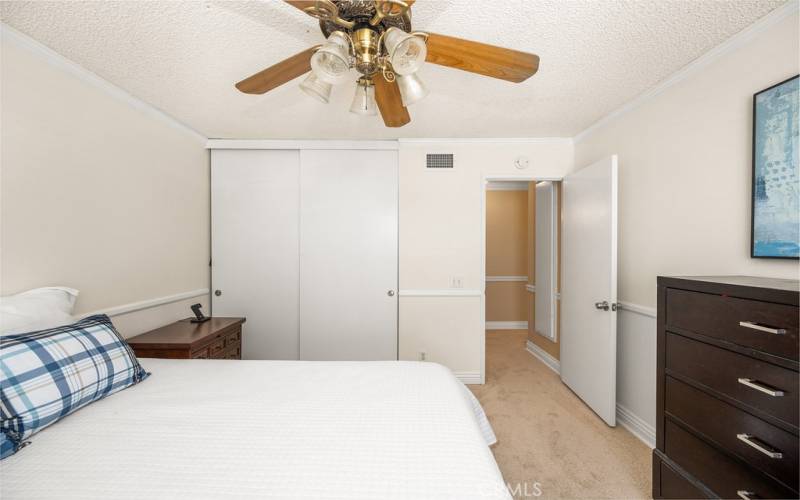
254,250
348,255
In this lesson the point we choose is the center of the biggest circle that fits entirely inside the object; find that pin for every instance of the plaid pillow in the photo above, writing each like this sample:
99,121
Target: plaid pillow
46,375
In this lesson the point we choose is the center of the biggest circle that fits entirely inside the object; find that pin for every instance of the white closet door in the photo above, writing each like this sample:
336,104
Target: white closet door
545,226
254,226
348,255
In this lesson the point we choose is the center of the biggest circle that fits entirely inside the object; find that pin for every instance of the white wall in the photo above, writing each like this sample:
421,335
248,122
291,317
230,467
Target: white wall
684,185
441,238
99,191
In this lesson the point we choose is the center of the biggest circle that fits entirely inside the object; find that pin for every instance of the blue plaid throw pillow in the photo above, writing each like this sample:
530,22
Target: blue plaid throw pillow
48,374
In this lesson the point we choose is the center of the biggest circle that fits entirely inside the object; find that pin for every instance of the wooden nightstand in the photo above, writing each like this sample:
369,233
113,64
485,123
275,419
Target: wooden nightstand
218,338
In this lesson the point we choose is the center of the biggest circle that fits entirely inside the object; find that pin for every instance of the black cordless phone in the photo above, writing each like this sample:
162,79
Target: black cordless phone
198,314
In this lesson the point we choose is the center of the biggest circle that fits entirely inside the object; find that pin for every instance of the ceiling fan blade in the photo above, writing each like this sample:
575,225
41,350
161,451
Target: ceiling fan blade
389,102
475,57
278,74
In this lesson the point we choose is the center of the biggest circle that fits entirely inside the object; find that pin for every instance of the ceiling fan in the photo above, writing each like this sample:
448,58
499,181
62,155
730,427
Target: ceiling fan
375,38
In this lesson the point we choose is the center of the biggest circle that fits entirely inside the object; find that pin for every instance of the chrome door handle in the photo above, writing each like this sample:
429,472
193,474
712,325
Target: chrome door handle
762,447
762,328
390,293
745,495
755,385
602,305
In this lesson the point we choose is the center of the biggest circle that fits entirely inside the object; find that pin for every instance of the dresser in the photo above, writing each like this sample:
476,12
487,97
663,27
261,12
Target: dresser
727,393
217,338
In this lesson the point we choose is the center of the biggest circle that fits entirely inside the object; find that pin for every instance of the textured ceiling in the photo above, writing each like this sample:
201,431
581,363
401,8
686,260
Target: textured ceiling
184,57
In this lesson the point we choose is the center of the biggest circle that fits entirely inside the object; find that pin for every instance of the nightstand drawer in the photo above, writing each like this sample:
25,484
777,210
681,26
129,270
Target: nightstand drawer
763,386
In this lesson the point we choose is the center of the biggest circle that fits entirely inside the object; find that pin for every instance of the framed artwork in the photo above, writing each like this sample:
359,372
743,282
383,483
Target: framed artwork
775,225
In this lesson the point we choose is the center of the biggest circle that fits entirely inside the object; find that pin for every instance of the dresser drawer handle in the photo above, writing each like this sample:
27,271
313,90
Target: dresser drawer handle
763,448
762,328
746,495
763,388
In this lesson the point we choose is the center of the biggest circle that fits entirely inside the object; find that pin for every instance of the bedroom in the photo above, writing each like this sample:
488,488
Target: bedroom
138,178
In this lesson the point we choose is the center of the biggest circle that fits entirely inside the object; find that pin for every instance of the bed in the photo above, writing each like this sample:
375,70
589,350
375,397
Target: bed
268,429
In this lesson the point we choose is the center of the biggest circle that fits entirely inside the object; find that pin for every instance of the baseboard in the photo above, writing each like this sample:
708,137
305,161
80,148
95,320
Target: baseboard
543,356
506,325
470,378
636,426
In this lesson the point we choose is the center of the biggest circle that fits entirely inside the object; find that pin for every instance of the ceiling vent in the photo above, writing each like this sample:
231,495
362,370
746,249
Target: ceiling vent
440,160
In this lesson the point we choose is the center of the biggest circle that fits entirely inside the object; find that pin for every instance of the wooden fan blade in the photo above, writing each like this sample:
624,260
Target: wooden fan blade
481,58
278,74
389,102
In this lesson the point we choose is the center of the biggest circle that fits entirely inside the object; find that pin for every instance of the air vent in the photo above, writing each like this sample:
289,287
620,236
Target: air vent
440,160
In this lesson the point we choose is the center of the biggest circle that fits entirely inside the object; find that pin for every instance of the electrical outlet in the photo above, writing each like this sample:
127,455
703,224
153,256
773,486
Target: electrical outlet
457,282
422,355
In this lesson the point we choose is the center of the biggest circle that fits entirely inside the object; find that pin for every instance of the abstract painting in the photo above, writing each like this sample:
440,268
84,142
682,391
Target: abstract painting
775,230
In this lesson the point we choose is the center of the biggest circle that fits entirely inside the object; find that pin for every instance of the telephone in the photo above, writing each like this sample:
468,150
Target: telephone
199,317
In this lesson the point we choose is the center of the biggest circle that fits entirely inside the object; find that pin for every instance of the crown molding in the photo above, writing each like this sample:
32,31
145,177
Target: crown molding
56,60
731,44
389,145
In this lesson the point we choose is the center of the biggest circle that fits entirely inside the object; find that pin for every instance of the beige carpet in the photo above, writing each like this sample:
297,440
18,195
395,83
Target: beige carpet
546,435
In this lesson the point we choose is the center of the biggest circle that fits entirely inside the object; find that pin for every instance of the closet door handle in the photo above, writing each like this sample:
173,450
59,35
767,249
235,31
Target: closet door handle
762,447
390,293
755,385
762,328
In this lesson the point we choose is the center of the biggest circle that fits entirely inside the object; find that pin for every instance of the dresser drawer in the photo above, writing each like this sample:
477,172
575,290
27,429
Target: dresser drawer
721,473
673,485
749,323
724,424
200,353
740,377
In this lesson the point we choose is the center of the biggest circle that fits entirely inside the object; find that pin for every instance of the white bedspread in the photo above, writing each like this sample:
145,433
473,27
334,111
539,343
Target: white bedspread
267,429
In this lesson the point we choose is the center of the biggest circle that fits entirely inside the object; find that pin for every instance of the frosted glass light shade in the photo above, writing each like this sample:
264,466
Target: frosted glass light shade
316,88
364,100
406,52
411,89
331,62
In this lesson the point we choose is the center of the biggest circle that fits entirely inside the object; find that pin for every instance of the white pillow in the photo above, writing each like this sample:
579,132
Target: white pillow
37,309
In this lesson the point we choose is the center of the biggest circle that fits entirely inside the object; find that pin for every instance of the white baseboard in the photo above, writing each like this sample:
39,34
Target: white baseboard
543,356
636,426
469,377
506,325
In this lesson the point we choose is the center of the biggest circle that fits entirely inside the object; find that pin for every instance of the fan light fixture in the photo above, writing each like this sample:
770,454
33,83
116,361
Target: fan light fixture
316,88
364,100
332,61
375,37
406,51
411,89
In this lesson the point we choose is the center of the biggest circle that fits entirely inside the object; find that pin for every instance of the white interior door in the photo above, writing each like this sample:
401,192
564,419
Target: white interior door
254,249
348,255
589,286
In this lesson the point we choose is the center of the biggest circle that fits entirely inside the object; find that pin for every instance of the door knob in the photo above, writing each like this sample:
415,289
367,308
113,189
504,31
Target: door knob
217,292
390,293
602,305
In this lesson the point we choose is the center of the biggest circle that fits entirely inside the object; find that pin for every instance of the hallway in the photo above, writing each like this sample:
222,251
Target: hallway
546,435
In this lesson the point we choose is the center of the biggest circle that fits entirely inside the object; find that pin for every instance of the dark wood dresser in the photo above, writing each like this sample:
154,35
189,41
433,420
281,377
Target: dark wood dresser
727,394
217,338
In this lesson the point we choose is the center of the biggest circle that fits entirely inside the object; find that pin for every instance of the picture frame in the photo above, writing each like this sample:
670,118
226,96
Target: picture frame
775,184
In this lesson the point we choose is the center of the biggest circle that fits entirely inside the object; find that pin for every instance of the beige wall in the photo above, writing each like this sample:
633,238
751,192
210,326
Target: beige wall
97,193
441,232
549,346
506,254
685,169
